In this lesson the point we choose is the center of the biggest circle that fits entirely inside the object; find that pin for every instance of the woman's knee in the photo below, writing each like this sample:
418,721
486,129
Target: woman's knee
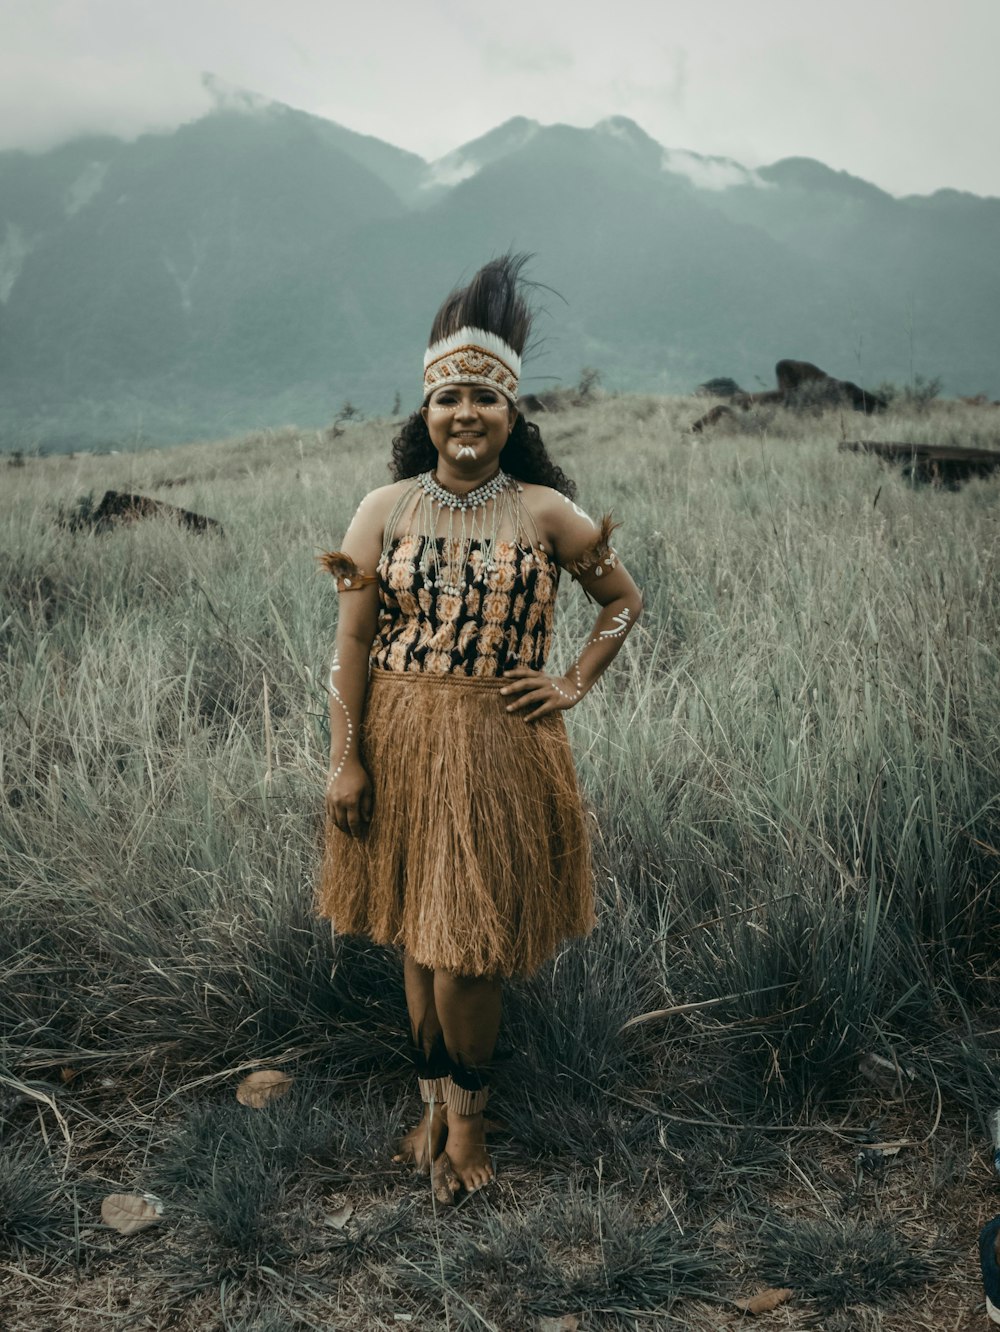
460,981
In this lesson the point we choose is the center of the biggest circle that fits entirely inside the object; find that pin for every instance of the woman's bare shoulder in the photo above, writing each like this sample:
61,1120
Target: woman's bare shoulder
389,493
575,538
369,518
550,506
378,503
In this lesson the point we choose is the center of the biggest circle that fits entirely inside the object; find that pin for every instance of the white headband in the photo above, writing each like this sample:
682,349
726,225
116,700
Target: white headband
472,356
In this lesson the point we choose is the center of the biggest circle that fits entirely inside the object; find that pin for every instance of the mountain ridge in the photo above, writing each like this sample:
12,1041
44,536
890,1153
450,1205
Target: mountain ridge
261,264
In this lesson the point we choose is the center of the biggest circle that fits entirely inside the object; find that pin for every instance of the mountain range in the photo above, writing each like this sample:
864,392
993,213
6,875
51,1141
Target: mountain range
261,266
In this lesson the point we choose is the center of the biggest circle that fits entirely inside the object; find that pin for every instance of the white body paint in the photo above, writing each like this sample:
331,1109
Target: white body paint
335,693
351,523
576,509
621,623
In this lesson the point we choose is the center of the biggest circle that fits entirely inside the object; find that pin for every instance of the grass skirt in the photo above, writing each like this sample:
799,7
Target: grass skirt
477,858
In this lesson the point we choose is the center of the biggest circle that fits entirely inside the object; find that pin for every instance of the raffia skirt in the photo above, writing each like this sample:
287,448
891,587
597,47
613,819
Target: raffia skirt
477,858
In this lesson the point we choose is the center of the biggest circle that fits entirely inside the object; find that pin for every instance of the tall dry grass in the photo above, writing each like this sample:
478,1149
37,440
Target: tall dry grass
793,772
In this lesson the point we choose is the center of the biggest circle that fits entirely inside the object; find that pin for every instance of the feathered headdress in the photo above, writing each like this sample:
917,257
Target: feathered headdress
480,331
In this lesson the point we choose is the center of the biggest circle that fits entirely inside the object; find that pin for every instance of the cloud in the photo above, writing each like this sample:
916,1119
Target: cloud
226,96
677,87
709,173
529,57
448,171
14,249
866,92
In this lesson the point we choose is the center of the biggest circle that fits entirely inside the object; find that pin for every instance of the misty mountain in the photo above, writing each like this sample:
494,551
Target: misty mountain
260,266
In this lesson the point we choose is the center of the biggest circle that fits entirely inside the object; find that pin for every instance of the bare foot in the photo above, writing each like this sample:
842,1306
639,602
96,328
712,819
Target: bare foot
445,1182
467,1154
423,1144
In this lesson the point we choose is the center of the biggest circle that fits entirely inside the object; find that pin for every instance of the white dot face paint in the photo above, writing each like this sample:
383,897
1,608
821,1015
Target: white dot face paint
466,451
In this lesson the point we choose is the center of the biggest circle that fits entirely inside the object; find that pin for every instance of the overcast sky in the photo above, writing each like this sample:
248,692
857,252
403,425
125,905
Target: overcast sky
902,92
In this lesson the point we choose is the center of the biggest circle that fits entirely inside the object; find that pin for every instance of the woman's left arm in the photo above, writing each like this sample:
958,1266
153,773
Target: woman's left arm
584,549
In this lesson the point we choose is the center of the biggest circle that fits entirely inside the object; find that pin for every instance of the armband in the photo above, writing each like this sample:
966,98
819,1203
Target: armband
347,574
598,556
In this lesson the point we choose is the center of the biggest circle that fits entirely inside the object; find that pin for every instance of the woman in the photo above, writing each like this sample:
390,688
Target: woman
454,828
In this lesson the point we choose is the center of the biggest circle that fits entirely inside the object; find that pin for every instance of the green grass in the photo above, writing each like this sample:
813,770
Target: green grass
793,769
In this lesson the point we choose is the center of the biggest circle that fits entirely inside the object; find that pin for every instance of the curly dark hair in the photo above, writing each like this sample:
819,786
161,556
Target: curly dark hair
524,455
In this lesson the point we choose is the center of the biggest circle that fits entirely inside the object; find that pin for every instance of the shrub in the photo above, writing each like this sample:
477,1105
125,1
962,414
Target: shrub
720,387
915,397
839,1262
815,396
33,1208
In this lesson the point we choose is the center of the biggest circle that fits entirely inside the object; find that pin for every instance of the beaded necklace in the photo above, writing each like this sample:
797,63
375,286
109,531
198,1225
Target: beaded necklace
481,512
473,499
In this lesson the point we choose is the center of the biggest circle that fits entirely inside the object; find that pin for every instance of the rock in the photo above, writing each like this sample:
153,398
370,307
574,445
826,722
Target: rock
119,507
721,387
799,382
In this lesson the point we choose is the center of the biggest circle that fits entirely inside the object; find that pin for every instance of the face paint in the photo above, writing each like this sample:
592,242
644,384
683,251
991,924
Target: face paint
456,412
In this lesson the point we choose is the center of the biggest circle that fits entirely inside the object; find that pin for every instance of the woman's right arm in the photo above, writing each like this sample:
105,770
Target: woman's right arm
349,788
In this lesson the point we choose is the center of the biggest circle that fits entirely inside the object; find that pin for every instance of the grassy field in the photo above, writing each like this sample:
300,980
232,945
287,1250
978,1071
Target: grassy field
793,769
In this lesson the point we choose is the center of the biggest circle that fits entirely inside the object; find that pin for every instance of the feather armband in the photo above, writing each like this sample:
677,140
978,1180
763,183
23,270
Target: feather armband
349,577
598,556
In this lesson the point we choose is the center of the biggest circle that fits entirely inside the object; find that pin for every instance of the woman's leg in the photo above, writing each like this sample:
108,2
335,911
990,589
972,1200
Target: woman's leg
418,983
424,1142
468,1009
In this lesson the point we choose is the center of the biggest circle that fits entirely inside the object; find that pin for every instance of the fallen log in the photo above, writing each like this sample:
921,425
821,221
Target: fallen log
940,464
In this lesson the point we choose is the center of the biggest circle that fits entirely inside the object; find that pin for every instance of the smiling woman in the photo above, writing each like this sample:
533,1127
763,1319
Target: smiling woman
468,416
454,829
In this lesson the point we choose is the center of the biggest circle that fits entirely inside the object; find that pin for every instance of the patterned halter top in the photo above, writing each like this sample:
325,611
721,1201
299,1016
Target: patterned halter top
501,616
482,619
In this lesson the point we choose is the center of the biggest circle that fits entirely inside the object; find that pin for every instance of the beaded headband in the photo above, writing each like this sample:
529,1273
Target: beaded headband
472,356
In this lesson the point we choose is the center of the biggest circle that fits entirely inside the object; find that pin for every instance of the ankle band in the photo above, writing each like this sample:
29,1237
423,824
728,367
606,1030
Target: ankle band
434,1090
465,1102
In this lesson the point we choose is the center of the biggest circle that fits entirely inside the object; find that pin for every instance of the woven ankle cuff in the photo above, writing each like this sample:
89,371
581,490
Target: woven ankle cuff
465,1102
434,1089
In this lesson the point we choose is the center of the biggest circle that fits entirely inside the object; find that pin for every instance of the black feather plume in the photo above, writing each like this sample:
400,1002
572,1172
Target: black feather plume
491,301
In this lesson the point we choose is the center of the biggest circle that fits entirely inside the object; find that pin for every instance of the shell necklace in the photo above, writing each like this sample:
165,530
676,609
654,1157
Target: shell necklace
474,499
447,569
